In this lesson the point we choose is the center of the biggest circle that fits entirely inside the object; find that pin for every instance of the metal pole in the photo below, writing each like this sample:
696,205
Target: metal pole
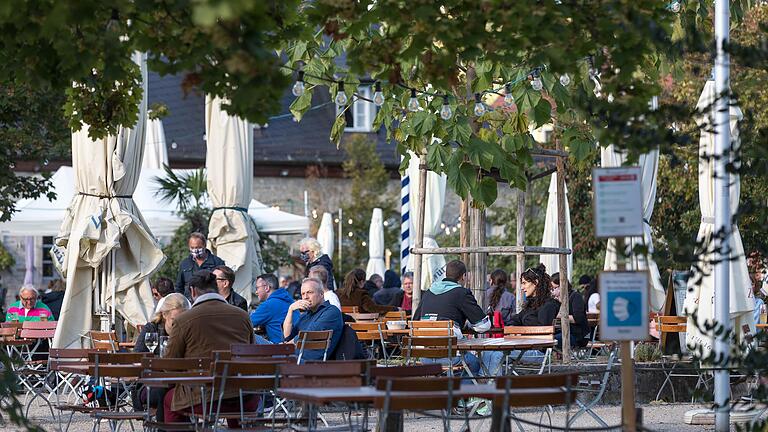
722,212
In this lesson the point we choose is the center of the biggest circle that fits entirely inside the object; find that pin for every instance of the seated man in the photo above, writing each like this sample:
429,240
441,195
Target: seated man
449,300
316,314
28,308
320,273
211,324
225,281
273,306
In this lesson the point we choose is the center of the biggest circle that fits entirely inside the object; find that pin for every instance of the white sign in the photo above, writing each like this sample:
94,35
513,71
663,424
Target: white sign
618,198
623,305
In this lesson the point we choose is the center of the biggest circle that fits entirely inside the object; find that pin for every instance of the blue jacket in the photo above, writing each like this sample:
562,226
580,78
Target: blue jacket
326,317
271,314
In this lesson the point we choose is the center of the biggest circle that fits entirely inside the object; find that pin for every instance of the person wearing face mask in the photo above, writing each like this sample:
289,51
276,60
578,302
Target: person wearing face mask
578,313
311,253
199,258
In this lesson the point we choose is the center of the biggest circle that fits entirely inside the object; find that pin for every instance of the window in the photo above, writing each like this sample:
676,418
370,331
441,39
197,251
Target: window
49,272
360,114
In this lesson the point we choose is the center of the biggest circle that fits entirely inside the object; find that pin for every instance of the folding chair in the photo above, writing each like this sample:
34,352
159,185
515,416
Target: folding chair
105,341
596,347
371,332
349,309
442,398
566,382
396,315
266,351
313,340
119,372
68,382
431,328
594,387
34,373
435,348
153,367
672,325
530,332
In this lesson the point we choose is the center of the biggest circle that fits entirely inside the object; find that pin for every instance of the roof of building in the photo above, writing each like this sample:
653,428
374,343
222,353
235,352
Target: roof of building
281,141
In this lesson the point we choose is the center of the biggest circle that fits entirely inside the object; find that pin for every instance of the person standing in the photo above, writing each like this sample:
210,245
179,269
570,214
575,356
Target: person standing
200,258
311,253
212,324
273,306
225,279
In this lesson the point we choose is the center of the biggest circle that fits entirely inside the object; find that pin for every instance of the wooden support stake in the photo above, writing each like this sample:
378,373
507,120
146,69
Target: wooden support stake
519,242
628,409
464,228
565,323
419,226
478,261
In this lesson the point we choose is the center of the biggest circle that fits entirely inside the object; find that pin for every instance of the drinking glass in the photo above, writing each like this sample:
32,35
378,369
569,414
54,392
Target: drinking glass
150,340
163,345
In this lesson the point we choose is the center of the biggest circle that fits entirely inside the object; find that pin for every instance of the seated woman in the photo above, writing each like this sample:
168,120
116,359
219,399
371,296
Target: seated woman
352,293
168,309
577,315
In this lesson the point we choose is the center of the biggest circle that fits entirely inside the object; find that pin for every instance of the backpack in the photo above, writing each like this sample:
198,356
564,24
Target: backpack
349,347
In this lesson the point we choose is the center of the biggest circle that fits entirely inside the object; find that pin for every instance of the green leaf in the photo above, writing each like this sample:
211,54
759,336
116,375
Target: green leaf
460,130
301,105
525,97
337,131
542,113
438,156
484,192
580,149
423,122
461,178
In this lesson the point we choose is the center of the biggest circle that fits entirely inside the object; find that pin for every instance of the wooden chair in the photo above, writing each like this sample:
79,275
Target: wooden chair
121,370
667,325
68,382
104,341
563,384
313,340
531,332
266,351
425,370
349,309
364,316
245,378
435,348
33,374
430,328
371,332
443,398
396,315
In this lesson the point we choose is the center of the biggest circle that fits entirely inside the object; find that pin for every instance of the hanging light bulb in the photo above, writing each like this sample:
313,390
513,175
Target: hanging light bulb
508,98
536,83
413,102
341,97
114,21
298,87
565,80
479,107
675,6
378,96
446,112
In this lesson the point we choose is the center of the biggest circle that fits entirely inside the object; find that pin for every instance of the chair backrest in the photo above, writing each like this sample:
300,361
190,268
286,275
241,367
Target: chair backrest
349,309
39,325
27,333
14,325
247,376
442,386
396,315
175,364
530,332
325,374
671,324
217,355
265,351
429,347
431,369
563,383
313,340
117,358
67,356
114,371
364,316
8,333
103,340
431,328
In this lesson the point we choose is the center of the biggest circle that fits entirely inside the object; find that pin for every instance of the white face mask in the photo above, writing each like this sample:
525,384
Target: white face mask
197,253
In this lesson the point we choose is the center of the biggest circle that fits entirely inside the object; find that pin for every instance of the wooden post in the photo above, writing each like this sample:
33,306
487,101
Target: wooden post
464,228
628,409
565,322
419,227
477,261
520,241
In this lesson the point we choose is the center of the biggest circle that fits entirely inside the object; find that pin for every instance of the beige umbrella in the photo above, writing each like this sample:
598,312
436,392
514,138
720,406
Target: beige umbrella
229,160
376,263
155,151
104,244
701,284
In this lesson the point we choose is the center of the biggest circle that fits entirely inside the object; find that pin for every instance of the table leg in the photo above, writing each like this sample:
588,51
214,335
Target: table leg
497,420
394,423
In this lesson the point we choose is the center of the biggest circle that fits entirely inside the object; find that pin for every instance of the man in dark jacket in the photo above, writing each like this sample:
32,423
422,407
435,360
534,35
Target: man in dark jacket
199,258
391,288
273,306
225,279
311,253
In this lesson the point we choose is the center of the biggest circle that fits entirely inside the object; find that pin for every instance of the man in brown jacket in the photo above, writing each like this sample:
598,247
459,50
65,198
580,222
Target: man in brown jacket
211,324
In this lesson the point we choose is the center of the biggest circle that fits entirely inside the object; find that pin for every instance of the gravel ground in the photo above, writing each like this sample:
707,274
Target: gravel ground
657,417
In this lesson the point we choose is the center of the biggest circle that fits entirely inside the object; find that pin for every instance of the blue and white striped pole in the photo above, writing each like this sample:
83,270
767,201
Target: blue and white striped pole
405,221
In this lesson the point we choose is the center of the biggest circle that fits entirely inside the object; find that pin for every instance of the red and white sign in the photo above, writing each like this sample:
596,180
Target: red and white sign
618,202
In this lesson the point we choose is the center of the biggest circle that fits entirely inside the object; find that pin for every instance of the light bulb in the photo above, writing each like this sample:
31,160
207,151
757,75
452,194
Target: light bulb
413,102
298,87
479,107
341,97
537,84
114,21
350,234
446,112
675,6
378,96
508,98
565,80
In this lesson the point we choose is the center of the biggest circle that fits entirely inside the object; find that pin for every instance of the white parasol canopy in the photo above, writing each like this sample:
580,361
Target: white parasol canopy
103,229
155,151
701,284
232,234
376,245
325,234
649,164
550,237
432,266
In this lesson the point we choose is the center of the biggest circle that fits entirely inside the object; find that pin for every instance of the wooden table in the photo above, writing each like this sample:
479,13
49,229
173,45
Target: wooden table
504,344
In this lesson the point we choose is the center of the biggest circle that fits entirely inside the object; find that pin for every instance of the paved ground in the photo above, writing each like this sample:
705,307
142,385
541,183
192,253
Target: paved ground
667,417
